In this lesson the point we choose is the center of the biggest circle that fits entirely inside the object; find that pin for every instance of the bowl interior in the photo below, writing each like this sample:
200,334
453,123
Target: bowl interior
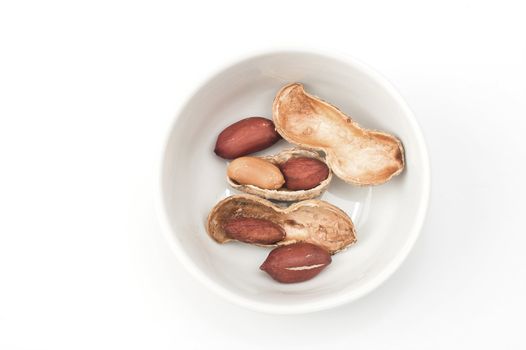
387,217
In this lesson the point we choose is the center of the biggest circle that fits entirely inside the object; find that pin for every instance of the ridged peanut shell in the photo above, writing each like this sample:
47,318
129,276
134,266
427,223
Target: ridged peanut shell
313,221
283,194
356,155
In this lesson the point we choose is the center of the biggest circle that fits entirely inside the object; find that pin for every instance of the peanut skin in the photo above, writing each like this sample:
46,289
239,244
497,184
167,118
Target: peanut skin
303,173
247,136
296,262
250,230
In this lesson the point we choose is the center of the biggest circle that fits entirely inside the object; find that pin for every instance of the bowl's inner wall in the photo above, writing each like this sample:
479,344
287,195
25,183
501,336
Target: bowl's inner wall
193,177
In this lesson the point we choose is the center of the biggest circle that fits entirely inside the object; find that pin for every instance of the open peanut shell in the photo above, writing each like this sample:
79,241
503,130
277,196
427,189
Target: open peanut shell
313,221
356,155
283,194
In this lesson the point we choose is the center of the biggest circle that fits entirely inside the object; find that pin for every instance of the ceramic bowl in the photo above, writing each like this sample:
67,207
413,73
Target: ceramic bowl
388,218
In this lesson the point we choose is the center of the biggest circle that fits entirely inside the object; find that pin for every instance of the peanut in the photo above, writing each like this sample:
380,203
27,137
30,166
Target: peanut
296,262
304,173
250,230
255,171
246,136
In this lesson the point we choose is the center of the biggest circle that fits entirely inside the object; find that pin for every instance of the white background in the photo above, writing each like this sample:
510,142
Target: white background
88,91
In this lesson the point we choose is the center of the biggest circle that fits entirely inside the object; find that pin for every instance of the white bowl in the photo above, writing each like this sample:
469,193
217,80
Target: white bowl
388,218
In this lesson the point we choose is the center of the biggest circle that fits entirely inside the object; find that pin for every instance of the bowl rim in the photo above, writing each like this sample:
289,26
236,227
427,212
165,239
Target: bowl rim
330,302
